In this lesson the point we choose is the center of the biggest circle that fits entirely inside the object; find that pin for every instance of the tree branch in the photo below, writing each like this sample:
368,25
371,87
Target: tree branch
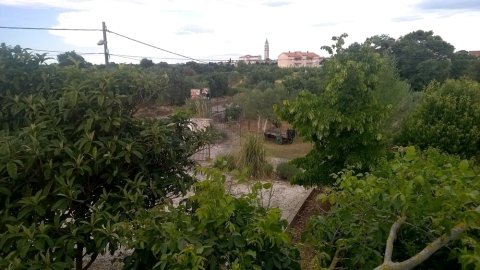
92,259
391,239
423,255
335,259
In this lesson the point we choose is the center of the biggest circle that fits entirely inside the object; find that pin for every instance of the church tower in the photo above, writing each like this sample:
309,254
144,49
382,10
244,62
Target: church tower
266,51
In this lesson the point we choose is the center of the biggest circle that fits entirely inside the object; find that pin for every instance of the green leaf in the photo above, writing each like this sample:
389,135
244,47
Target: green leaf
267,185
410,152
463,165
12,169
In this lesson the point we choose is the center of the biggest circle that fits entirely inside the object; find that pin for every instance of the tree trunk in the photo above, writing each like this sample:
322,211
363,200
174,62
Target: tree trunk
79,256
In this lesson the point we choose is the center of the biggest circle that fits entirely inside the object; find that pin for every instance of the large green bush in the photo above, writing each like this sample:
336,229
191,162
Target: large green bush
73,160
417,201
211,230
286,170
447,117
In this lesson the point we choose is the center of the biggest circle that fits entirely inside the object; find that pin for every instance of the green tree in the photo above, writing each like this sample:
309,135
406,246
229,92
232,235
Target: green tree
311,80
345,120
74,162
211,230
422,57
256,103
218,84
72,59
178,89
464,64
146,63
447,117
381,43
417,210
16,74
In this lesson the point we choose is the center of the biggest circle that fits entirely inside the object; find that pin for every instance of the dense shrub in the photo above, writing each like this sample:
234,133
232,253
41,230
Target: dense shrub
227,161
211,230
232,112
286,170
74,160
447,117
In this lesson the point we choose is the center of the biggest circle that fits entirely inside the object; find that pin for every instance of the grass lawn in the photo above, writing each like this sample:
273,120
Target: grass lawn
289,151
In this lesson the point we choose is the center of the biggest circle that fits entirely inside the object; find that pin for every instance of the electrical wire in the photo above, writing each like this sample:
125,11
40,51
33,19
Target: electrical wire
155,47
165,58
50,51
125,57
48,28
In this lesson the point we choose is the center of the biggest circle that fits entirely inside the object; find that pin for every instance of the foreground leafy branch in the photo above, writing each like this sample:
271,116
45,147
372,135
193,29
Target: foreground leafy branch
422,255
429,195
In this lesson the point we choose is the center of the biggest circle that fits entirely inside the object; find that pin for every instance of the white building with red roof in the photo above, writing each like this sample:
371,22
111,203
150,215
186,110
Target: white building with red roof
251,59
299,59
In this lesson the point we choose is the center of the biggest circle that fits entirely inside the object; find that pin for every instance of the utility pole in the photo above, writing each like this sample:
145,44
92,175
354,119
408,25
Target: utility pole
105,47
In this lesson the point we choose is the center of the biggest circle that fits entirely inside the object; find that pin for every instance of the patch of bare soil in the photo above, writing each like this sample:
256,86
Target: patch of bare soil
311,207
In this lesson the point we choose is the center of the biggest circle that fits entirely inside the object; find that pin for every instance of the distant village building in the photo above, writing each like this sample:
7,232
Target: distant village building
299,59
257,59
250,59
474,53
199,93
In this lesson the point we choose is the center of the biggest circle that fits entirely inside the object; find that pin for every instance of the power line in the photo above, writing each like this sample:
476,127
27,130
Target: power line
126,56
155,47
48,28
50,51
91,29
164,58
123,56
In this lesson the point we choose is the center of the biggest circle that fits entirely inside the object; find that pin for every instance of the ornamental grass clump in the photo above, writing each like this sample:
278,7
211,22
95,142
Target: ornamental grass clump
252,157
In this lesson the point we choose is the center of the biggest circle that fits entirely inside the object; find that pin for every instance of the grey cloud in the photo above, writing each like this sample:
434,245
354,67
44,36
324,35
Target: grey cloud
449,5
193,29
276,3
407,18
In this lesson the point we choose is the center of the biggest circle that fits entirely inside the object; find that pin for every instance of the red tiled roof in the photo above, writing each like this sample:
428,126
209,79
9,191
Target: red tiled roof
474,53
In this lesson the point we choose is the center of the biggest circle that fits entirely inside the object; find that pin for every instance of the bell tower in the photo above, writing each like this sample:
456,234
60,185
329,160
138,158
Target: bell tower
266,51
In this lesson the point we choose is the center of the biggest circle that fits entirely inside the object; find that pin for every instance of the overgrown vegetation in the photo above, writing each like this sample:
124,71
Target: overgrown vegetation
344,121
418,200
225,162
73,160
447,117
413,209
286,170
79,174
211,230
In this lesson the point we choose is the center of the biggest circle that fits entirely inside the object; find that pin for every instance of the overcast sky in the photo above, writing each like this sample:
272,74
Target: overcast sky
224,29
